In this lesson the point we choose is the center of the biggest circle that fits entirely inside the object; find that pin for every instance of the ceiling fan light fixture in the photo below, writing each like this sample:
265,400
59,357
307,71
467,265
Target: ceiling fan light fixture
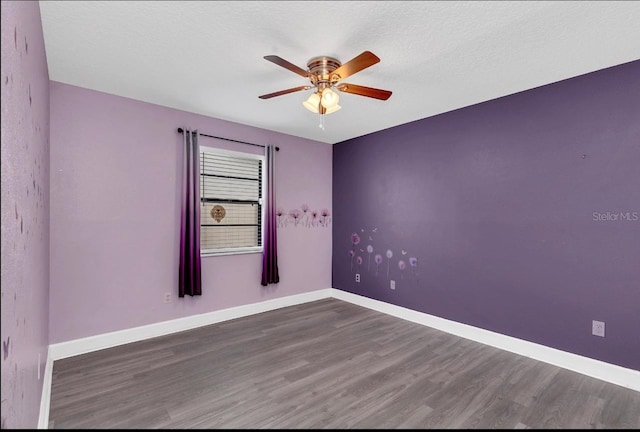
329,98
312,103
333,109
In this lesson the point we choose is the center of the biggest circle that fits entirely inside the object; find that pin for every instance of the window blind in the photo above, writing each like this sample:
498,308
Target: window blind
231,202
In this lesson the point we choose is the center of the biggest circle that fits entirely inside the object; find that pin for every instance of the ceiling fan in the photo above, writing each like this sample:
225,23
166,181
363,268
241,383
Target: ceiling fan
324,73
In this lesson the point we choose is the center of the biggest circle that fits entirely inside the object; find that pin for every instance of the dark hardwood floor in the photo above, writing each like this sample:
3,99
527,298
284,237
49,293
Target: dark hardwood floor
327,364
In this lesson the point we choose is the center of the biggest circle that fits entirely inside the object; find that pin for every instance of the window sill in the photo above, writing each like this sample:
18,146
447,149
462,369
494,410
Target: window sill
231,252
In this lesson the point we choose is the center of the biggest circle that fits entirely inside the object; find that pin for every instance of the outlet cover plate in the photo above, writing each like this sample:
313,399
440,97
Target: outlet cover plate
597,328
393,285
357,277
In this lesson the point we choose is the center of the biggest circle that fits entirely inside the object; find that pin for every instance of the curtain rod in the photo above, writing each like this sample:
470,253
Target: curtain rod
180,130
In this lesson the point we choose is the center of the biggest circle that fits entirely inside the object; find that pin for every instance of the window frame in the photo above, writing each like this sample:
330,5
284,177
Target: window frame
261,202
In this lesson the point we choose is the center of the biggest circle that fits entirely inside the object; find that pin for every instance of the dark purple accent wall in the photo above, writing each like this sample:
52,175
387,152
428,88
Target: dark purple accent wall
521,214
25,213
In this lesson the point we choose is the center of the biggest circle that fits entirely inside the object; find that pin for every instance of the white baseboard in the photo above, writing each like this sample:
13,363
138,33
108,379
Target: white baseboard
45,400
108,340
624,377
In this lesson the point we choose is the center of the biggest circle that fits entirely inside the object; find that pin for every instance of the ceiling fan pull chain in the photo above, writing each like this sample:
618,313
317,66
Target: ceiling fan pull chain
321,112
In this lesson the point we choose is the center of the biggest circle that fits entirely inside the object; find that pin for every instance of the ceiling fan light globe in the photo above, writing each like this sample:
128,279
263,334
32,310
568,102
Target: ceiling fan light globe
333,109
312,103
329,98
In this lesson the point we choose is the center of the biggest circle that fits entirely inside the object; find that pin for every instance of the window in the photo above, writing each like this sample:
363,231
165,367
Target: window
231,210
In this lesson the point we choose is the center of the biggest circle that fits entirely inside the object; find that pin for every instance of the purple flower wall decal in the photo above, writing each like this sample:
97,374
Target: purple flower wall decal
279,213
378,260
389,256
351,255
413,262
355,239
401,265
359,262
295,215
369,250
303,216
324,221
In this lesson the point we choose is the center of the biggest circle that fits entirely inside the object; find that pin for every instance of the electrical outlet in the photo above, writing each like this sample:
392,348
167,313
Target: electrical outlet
393,284
597,328
357,277
167,297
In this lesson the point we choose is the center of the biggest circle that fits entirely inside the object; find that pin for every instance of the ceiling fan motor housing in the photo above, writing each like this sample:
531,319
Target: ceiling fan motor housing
320,69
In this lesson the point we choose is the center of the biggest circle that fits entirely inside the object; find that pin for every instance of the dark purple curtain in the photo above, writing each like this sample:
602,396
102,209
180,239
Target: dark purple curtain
190,275
270,254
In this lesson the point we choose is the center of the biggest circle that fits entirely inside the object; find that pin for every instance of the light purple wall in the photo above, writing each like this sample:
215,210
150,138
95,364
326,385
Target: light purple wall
25,213
115,213
497,201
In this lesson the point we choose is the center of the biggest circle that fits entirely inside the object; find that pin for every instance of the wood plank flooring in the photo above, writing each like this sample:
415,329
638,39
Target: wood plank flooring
327,364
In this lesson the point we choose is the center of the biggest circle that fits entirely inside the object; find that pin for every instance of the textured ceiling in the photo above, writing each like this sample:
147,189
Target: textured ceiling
206,57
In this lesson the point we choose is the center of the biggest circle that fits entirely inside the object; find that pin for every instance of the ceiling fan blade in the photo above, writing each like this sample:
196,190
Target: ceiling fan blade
354,65
364,91
283,92
287,65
